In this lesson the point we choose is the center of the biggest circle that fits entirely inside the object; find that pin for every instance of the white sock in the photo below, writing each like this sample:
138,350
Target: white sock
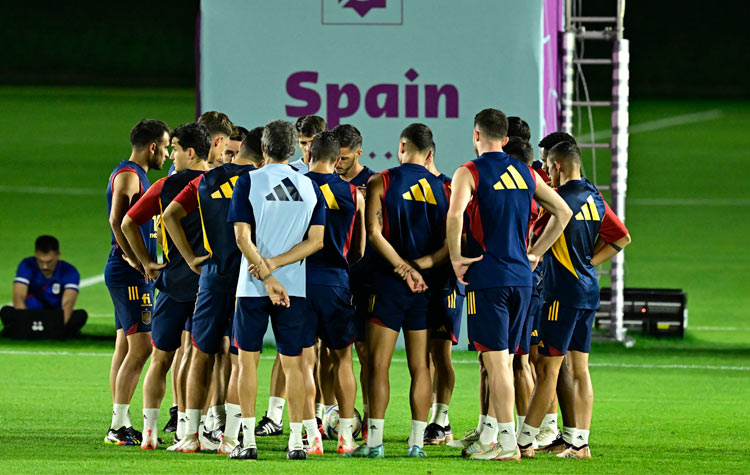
275,408
365,412
219,417
234,420
346,427
568,434
489,433
208,420
248,432
295,435
181,425
581,438
433,412
319,410
311,427
193,417
550,420
417,433
119,416
506,436
150,421
519,424
480,424
202,425
527,435
375,432
441,417
127,418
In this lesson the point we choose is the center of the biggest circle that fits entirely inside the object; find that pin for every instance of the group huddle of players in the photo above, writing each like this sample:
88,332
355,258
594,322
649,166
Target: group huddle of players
336,255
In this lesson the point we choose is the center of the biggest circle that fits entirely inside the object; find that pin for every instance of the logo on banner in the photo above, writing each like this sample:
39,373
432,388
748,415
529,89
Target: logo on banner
362,12
392,100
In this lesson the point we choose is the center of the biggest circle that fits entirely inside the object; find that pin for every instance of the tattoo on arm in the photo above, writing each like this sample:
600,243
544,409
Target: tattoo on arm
379,214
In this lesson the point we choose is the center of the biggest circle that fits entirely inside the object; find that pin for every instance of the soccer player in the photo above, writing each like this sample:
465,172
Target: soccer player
406,208
444,333
279,220
517,127
329,300
177,284
498,270
132,293
220,128
571,297
308,127
44,281
349,169
235,142
211,195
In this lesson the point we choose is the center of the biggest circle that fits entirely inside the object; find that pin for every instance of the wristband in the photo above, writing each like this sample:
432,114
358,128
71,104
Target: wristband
615,246
266,277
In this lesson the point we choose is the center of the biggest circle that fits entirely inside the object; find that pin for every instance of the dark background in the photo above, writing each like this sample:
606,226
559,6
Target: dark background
678,50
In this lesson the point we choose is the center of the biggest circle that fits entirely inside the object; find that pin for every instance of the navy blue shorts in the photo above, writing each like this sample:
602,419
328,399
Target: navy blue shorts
361,294
134,306
213,313
393,305
251,322
496,317
535,319
169,322
330,316
564,328
445,316
532,317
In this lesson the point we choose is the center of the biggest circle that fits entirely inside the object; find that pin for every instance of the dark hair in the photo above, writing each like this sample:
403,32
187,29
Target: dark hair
279,139
251,145
194,135
217,123
238,133
555,138
519,149
147,131
348,136
565,152
517,127
419,135
46,244
310,125
492,123
325,146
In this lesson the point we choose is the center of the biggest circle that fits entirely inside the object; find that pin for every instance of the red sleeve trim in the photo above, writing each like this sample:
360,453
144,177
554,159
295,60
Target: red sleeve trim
188,197
125,169
533,173
612,228
472,167
148,206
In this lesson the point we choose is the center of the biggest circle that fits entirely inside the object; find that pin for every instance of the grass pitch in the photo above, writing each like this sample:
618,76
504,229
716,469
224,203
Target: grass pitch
672,406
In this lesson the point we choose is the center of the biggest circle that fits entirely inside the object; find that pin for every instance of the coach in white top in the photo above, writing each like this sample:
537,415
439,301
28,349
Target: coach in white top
273,209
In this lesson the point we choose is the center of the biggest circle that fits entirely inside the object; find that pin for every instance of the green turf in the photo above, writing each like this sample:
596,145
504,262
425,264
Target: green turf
678,407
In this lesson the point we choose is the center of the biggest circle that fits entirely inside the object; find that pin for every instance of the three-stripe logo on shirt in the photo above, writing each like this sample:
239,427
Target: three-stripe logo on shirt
331,202
280,195
511,180
226,189
421,191
588,211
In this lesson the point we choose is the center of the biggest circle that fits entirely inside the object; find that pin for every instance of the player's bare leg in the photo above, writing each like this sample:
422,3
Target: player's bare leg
326,378
472,435
233,410
547,369
247,384
523,384
314,440
154,387
139,349
121,349
220,376
443,381
183,365
292,366
381,342
548,439
270,424
198,383
567,398
420,394
584,403
346,393
364,378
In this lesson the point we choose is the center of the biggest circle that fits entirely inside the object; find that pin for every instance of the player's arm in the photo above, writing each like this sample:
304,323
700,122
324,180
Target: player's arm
183,204
276,292
462,187
125,189
68,302
310,245
432,260
142,211
359,234
560,214
20,291
614,234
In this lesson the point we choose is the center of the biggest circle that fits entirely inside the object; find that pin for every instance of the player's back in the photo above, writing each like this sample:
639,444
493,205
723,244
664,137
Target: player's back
415,206
329,265
569,275
280,203
498,221
117,272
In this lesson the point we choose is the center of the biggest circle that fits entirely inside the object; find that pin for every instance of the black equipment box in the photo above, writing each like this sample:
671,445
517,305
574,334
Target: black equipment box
659,312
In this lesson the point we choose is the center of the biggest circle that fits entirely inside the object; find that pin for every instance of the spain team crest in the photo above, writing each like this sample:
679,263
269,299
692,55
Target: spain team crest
146,317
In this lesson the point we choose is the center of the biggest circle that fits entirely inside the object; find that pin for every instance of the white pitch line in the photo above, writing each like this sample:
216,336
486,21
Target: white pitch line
721,329
403,360
50,190
664,123
87,282
688,202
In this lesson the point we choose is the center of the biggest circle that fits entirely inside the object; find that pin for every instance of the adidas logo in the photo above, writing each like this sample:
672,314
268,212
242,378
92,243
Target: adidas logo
420,192
487,424
527,433
280,195
505,432
588,211
184,419
511,180
331,202
226,189
238,416
579,437
145,417
373,427
279,407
